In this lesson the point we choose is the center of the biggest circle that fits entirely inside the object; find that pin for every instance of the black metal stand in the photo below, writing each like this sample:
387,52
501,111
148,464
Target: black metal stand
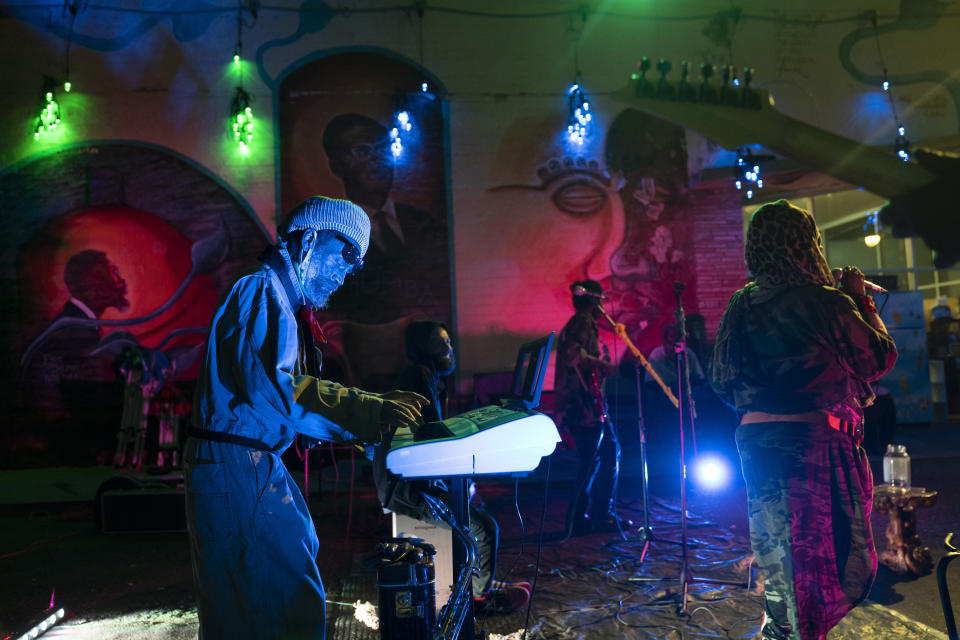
684,390
460,508
645,533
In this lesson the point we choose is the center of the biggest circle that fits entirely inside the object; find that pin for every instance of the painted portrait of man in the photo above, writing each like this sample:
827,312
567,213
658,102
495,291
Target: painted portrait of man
341,145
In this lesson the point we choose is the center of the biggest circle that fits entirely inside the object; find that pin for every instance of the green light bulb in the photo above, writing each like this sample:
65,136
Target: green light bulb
67,86
236,58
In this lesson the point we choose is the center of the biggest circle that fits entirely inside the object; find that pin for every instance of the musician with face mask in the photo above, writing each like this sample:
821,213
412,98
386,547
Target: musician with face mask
252,541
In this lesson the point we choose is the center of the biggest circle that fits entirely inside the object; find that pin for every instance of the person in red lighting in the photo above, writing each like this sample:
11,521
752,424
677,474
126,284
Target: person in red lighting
578,389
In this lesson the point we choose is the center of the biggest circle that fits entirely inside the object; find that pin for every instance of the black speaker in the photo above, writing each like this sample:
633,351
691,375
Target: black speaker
405,588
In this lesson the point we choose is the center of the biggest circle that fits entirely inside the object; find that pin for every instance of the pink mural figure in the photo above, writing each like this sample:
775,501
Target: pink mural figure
516,262
650,154
621,222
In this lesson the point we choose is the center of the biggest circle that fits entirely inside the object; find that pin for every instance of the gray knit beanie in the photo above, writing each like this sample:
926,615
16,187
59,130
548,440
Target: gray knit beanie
329,214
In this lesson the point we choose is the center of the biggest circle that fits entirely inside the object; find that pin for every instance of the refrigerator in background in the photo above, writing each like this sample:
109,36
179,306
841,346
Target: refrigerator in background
909,381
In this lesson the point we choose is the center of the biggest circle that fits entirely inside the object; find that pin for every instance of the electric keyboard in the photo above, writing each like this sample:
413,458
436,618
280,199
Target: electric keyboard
495,439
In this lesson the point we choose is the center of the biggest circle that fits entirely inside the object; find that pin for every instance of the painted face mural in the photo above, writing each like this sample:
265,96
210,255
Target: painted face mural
87,287
340,144
620,222
95,272
535,242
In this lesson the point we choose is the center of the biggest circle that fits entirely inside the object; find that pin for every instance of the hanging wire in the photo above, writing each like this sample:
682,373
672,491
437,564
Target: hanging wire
73,7
842,16
238,49
578,105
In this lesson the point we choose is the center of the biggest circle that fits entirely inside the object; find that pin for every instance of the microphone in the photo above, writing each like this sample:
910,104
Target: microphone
869,286
581,291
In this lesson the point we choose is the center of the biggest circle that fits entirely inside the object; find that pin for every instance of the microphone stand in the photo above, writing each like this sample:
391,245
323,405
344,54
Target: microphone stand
683,375
645,532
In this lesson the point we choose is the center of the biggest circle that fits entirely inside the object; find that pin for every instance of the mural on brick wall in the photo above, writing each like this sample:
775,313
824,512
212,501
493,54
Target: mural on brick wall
340,136
114,260
620,220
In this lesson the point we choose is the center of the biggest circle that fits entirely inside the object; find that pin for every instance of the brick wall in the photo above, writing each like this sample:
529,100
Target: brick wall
715,212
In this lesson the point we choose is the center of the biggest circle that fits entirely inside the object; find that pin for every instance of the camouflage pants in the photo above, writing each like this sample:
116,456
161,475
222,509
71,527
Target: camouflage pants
809,493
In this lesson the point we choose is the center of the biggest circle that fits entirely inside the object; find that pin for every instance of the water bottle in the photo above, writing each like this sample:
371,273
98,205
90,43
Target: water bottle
896,466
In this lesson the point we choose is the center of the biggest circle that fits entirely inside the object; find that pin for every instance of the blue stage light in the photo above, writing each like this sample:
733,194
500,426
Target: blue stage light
711,471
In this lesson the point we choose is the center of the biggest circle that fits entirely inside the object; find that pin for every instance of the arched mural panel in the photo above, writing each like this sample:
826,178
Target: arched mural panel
112,253
335,116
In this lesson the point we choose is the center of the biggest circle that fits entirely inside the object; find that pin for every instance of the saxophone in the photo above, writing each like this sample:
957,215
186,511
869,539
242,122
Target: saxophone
453,614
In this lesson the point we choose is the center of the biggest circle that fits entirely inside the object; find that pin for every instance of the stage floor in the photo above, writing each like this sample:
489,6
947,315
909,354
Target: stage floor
132,586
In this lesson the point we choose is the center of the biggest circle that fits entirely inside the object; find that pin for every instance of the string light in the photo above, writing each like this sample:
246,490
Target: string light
580,118
241,111
241,117
402,125
901,144
48,120
748,173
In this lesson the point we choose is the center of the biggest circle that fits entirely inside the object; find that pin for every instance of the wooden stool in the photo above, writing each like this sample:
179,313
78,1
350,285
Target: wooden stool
904,550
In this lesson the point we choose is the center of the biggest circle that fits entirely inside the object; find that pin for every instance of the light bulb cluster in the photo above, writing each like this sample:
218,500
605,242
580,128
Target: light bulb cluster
748,173
241,118
580,120
44,625
49,118
402,125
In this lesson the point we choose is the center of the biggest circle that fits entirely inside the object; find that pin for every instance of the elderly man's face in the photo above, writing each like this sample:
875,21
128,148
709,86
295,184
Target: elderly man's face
363,158
322,267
